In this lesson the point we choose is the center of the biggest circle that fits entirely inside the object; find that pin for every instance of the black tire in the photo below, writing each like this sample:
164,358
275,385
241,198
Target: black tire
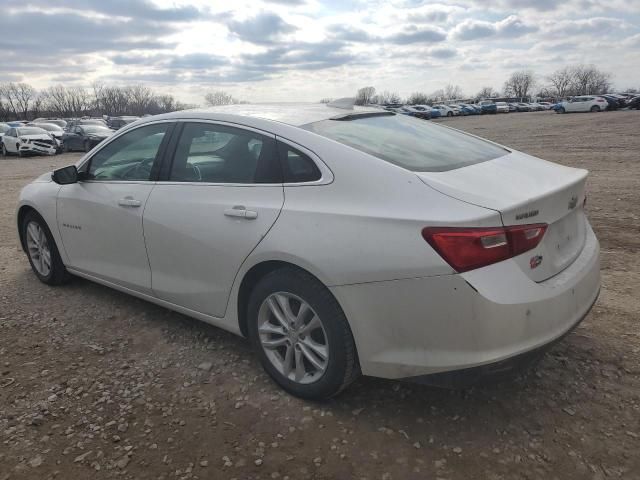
449,114
65,147
342,367
87,146
595,108
5,153
58,274
561,110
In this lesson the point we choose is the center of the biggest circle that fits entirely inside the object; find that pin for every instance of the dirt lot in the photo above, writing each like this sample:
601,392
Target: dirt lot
96,384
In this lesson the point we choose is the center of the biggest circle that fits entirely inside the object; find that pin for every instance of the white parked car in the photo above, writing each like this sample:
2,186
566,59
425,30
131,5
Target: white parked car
4,128
446,110
339,241
54,130
583,103
28,141
502,107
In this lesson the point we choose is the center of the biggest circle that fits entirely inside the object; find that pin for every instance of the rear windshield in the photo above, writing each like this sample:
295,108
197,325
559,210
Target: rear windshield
30,131
414,144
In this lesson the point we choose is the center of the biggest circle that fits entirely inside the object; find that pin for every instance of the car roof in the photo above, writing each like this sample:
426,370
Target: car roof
295,114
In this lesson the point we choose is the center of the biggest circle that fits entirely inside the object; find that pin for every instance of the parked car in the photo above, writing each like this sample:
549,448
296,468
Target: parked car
502,107
3,129
85,121
634,102
488,106
84,137
17,123
535,107
523,107
545,105
54,130
28,141
435,113
231,222
583,103
445,110
416,111
466,109
117,123
612,102
513,107
56,121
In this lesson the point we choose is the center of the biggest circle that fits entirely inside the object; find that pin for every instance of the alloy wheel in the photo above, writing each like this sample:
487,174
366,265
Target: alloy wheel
293,337
38,248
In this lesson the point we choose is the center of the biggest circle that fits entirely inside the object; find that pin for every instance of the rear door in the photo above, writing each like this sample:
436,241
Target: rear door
219,195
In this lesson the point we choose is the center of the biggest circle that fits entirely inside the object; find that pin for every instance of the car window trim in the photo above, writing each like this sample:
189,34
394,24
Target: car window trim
326,175
172,148
155,171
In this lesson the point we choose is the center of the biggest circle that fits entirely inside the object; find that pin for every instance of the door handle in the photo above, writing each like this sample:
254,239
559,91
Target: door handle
241,212
129,202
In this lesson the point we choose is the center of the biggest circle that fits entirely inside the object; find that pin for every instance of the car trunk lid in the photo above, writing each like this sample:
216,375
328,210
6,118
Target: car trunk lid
526,190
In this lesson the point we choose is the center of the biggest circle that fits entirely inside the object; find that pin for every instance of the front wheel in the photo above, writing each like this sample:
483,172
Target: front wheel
87,146
5,153
42,251
449,114
301,335
561,110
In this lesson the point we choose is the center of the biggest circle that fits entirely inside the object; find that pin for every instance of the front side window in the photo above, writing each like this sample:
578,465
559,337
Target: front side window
212,153
130,156
410,143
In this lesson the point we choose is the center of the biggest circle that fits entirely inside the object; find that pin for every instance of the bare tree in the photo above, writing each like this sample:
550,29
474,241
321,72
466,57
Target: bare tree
452,92
560,81
588,80
520,84
365,95
386,97
487,92
18,98
418,98
326,100
140,98
219,97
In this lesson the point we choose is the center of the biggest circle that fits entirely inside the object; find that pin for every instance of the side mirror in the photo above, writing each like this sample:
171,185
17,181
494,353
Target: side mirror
66,175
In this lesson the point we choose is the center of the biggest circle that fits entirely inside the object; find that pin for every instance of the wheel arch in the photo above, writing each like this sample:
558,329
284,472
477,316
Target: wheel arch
258,271
22,213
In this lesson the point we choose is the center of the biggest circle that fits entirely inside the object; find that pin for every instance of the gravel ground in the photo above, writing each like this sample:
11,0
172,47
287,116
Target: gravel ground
96,384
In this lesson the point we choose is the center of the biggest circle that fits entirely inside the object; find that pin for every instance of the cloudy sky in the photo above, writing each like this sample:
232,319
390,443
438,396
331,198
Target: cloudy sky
303,50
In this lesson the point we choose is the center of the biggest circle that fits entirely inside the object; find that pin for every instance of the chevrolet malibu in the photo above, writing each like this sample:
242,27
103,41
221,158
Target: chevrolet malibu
340,240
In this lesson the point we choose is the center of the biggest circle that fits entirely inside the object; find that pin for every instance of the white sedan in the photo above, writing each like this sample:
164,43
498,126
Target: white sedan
28,141
339,241
583,103
446,110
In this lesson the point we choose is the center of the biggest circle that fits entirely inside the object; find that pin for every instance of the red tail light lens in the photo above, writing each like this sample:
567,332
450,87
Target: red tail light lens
470,248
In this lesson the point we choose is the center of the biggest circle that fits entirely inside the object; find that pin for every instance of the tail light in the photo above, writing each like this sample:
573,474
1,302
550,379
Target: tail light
470,248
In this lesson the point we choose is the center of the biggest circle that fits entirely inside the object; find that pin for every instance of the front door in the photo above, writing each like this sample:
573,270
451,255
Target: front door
100,217
221,196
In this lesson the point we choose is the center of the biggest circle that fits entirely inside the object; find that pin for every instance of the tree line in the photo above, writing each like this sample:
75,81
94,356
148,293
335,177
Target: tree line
523,84
21,101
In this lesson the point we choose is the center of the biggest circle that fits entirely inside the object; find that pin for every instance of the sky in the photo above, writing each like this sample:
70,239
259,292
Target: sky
305,50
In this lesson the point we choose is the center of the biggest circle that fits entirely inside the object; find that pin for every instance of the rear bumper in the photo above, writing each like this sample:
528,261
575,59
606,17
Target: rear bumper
422,326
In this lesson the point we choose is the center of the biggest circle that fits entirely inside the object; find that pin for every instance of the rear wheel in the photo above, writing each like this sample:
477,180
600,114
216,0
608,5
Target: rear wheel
65,147
449,114
42,251
5,153
595,108
561,110
301,335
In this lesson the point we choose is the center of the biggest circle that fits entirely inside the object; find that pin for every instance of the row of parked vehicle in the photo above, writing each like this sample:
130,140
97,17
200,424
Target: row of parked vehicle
48,136
574,104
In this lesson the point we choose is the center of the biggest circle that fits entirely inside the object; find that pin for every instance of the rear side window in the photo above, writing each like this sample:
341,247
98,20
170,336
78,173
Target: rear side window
296,166
414,144
212,153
